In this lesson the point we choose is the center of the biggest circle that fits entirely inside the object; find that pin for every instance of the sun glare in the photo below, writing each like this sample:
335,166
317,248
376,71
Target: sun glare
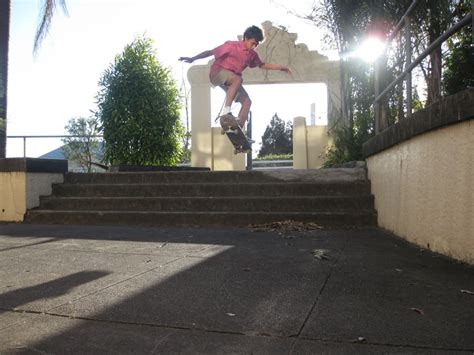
370,50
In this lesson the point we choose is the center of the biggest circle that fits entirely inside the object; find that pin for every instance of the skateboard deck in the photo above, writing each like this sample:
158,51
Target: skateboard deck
235,134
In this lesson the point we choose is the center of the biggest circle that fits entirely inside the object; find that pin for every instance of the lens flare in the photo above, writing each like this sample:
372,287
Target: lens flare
371,49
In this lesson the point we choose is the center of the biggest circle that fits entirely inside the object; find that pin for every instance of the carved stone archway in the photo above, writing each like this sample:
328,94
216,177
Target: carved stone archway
209,148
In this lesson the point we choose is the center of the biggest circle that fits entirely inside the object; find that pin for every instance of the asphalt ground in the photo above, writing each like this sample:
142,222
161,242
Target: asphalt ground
90,289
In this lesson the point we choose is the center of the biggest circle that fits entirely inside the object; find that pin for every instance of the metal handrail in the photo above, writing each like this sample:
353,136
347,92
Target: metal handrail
56,136
24,137
425,53
400,23
405,20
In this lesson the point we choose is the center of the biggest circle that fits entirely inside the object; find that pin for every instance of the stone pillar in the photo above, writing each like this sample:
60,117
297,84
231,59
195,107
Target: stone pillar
223,157
208,147
201,139
309,144
317,139
300,145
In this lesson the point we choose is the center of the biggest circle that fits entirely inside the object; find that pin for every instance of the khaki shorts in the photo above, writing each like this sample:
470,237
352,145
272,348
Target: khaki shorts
220,79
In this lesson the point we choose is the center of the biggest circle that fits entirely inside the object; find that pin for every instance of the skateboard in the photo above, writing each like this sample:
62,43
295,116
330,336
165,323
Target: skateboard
232,130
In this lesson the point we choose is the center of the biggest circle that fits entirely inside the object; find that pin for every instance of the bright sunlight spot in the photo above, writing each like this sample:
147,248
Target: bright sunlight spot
370,50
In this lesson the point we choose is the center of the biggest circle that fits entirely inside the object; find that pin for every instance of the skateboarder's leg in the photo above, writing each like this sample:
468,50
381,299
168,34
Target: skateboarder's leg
231,83
245,101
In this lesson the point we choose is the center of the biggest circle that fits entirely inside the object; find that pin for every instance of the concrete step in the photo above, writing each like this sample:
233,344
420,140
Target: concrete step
162,177
329,197
212,204
332,219
214,190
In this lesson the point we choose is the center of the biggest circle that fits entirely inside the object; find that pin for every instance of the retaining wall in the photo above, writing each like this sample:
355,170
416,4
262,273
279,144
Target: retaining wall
422,176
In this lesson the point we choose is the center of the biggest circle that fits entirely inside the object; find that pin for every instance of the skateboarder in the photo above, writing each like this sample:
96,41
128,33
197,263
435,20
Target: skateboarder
231,58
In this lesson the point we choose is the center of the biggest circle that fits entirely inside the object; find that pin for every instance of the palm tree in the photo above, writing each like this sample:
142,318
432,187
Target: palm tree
49,7
4,36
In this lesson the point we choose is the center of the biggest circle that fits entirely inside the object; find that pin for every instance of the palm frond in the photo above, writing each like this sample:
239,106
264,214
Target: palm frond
49,8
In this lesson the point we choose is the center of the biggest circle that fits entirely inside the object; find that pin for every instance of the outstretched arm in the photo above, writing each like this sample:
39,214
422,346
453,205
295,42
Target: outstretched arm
204,54
270,66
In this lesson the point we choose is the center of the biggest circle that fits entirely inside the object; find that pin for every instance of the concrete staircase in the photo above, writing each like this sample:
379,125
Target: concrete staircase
329,197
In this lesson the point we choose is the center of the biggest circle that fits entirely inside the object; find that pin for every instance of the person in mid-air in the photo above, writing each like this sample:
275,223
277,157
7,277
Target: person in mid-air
231,58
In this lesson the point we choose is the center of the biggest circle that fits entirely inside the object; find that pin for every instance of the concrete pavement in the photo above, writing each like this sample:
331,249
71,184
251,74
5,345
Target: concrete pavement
91,289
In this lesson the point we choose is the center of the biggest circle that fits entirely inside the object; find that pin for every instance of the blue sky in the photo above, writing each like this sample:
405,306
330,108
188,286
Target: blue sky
60,83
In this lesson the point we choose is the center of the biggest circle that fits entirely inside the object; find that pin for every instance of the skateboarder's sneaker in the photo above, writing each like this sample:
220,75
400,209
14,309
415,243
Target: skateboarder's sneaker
228,123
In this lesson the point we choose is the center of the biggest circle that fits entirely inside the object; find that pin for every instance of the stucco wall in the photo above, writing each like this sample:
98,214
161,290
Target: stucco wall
424,189
23,181
12,196
20,191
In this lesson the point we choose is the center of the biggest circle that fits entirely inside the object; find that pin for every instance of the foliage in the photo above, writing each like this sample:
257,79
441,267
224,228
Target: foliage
4,30
348,140
139,109
2,89
459,73
275,157
459,63
82,146
277,138
342,150
347,23
185,156
2,98
47,12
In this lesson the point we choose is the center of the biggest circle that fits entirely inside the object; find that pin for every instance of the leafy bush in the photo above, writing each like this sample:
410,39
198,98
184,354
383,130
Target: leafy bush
275,157
139,109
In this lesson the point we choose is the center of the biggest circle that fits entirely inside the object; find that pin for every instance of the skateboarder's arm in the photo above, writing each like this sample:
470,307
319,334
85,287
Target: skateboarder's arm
270,66
204,54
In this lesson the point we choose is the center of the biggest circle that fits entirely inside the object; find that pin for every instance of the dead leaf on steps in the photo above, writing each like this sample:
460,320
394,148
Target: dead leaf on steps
285,226
320,254
417,310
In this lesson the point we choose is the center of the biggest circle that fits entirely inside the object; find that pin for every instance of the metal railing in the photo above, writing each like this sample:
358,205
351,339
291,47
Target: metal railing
24,138
380,120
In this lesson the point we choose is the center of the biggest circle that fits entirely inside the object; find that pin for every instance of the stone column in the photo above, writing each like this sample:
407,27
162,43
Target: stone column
201,139
300,145
208,147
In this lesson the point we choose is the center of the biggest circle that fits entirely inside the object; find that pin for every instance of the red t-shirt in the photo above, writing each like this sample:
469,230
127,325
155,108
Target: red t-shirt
233,56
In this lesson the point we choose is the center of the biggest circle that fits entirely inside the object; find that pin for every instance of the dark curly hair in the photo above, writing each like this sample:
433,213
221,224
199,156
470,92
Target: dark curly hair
253,32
